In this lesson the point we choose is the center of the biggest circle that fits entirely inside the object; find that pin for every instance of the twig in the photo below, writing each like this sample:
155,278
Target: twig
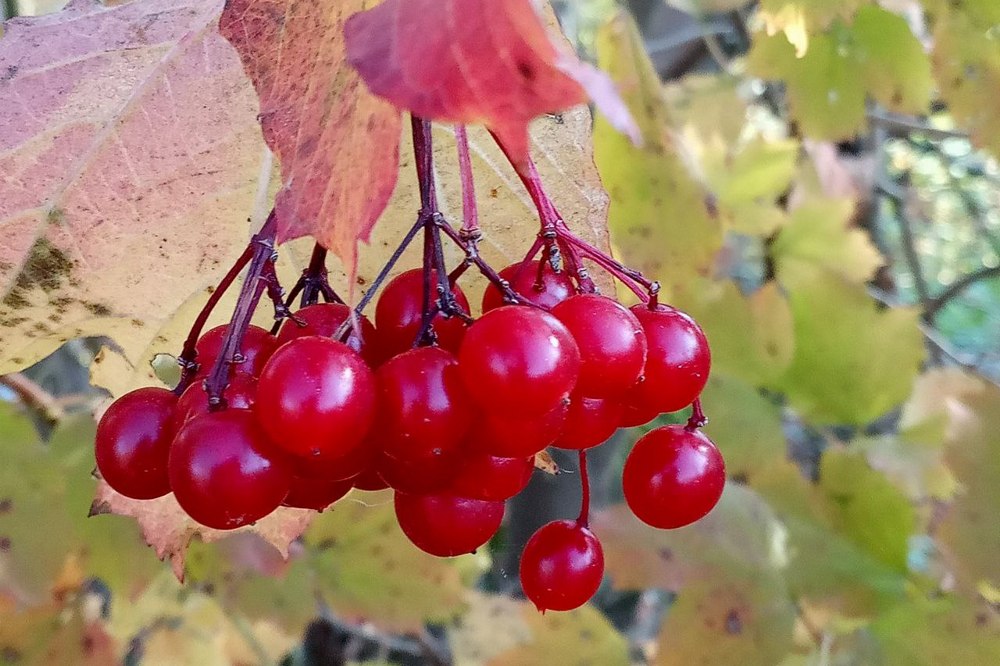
33,396
899,125
935,304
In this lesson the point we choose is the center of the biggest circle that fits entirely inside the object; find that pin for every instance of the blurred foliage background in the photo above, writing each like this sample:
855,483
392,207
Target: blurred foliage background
818,187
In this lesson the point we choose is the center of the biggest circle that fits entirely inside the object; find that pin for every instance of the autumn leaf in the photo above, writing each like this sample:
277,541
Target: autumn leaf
474,62
336,141
132,159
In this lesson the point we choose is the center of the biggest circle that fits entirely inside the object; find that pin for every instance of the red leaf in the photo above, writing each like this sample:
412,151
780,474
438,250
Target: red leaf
337,143
167,529
472,61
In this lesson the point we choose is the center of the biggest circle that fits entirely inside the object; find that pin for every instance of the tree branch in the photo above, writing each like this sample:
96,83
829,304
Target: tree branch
935,304
33,396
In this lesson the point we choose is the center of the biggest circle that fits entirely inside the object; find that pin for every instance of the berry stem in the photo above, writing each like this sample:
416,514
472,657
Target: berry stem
698,418
189,353
584,518
470,212
254,285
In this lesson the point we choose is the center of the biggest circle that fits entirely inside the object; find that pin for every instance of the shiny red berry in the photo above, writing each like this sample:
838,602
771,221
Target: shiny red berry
316,397
399,315
486,477
611,340
677,361
224,471
133,442
325,319
240,393
514,437
256,348
316,494
673,477
427,474
562,566
445,525
589,422
520,361
523,277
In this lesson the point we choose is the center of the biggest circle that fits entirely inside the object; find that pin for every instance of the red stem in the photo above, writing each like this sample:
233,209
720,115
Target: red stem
698,418
584,518
189,352
470,213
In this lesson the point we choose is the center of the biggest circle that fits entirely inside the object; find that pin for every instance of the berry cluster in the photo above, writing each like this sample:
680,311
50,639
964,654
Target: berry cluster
447,410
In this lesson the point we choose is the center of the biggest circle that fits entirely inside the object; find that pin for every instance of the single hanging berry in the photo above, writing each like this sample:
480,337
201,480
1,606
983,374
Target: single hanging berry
673,476
519,361
133,442
562,566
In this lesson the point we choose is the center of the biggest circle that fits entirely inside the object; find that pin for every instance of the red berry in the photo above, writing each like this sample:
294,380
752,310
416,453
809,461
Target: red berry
423,475
590,422
518,437
487,477
256,348
523,279
422,405
673,477
519,361
612,344
677,361
635,411
445,525
316,397
224,471
324,319
239,394
399,315
347,466
562,566
317,494
133,442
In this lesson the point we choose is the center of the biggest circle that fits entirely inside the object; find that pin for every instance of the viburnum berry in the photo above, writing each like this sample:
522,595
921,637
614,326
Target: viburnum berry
589,422
426,474
510,436
370,480
678,359
422,404
611,340
635,411
519,361
673,476
255,349
523,278
445,525
562,566
486,477
347,466
224,471
133,442
240,393
317,494
324,320
316,396
399,315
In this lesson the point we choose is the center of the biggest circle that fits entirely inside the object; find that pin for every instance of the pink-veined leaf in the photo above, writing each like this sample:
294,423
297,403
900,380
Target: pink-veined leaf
473,62
337,142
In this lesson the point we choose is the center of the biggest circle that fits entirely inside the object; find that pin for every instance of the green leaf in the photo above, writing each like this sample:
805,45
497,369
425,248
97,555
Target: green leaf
817,237
857,494
367,568
806,14
967,64
45,492
945,631
853,361
752,338
659,219
744,425
831,77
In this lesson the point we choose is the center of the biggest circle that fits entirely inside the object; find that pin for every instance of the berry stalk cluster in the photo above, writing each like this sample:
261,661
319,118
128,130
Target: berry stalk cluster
446,408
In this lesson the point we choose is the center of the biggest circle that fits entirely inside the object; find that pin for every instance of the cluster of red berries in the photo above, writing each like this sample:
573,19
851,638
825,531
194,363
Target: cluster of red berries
452,426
